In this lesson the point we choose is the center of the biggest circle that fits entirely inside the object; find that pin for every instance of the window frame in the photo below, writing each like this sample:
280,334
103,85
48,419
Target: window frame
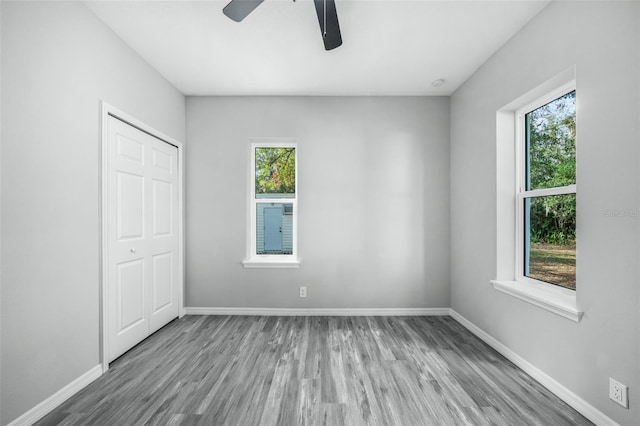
253,259
521,193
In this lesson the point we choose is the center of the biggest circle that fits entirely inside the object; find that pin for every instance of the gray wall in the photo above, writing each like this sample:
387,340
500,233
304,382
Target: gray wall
373,183
58,61
602,40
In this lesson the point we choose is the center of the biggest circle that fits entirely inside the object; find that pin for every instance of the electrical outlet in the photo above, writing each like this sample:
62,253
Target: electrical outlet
618,393
303,291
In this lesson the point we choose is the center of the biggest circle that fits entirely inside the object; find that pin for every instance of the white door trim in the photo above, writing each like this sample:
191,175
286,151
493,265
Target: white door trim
107,110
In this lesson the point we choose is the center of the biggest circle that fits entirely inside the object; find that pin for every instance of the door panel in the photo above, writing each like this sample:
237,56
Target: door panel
130,149
162,281
142,240
130,200
162,160
130,294
162,208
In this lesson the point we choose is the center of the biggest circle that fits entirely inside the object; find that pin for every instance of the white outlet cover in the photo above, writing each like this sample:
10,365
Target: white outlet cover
618,392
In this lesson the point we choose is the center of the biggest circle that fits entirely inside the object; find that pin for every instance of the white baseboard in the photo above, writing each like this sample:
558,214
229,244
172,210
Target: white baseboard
319,311
579,404
49,404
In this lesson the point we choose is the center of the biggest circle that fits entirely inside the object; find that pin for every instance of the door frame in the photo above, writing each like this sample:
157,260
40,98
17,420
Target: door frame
107,110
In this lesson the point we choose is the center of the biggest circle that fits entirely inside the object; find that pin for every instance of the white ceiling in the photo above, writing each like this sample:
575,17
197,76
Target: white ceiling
390,47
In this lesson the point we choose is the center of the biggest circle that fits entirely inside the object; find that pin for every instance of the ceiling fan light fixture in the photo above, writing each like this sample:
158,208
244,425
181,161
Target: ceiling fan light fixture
237,10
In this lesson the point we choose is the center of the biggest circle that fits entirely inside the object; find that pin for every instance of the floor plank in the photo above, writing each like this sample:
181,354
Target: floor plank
250,370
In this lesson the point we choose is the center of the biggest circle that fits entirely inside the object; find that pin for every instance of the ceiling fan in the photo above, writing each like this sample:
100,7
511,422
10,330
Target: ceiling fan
237,10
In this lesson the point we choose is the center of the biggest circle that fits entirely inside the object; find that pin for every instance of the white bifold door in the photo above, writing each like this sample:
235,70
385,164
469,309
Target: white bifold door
142,235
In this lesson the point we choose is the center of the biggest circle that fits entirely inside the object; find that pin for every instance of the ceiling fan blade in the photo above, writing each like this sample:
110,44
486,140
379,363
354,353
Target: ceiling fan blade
329,27
237,10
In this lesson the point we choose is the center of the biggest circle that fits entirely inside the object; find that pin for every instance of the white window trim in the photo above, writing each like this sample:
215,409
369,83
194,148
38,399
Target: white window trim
542,295
254,260
550,297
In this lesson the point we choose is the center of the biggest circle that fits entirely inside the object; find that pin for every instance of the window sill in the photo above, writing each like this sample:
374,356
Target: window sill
282,264
560,304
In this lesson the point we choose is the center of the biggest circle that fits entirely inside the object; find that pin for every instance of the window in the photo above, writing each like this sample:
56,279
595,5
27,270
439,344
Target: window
536,199
273,205
546,191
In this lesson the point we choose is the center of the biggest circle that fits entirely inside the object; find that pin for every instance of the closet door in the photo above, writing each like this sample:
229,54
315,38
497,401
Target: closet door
142,242
163,234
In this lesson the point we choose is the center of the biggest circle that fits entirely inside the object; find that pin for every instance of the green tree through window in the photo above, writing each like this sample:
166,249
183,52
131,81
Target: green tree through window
552,163
275,172
549,195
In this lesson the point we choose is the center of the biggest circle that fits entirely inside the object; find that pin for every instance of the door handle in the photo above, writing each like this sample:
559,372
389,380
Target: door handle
133,250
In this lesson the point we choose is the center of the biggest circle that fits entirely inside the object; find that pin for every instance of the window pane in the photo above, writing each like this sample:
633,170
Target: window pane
550,239
551,144
275,172
274,228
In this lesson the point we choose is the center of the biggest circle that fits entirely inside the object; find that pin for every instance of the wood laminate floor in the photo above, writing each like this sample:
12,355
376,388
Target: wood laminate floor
235,370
